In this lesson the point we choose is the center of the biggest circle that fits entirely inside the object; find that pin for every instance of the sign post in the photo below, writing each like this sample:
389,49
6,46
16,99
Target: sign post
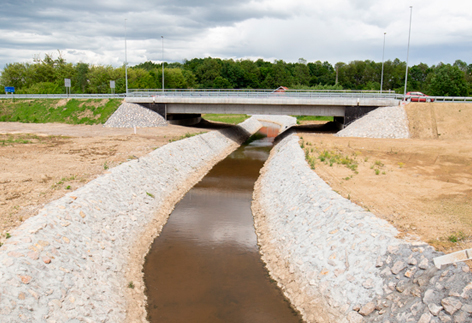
67,84
10,89
112,87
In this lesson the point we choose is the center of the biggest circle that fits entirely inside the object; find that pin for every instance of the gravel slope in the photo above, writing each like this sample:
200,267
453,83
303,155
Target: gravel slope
387,122
130,115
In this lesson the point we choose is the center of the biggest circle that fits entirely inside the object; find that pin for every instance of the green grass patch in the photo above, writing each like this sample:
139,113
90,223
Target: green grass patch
456,237
226,118
72,111
313,118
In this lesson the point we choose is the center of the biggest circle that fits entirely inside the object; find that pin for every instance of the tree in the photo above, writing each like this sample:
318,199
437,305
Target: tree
15,74
417,77
80,81
448,80
301,74
208,71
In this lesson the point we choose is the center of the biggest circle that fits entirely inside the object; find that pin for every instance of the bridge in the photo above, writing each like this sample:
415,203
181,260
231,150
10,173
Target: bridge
184,106
180,106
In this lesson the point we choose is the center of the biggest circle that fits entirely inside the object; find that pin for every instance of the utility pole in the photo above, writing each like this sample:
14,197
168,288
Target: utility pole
408,52
162,64
126,63
383,55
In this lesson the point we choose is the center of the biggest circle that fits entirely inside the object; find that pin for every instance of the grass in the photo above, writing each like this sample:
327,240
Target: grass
226,118
331,158
456,237
130,285
72,111
149,194
63,180
313,118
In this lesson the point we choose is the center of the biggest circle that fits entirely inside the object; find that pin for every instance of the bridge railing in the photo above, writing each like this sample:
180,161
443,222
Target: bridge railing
457,99
263,93
246,93
63,96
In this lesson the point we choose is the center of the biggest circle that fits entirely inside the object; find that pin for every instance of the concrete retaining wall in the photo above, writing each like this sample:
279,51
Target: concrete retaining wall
337,262
80,259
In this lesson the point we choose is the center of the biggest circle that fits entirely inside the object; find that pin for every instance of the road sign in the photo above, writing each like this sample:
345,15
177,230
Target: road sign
67,82
9,89
112,84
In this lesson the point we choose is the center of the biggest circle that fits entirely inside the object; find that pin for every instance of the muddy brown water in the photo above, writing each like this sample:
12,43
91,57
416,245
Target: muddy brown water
205,265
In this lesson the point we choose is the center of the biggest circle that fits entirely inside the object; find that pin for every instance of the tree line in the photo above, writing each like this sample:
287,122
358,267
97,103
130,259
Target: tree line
46,76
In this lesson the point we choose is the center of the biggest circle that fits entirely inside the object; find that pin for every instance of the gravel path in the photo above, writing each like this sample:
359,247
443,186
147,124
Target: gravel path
337,262
130,115
388,122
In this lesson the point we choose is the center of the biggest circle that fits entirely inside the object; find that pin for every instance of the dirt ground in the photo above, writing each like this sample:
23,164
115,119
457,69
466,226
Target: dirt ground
42,162
422,185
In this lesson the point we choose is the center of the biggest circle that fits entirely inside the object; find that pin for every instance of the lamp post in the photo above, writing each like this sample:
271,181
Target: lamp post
126,63
162,64
383,55
408,52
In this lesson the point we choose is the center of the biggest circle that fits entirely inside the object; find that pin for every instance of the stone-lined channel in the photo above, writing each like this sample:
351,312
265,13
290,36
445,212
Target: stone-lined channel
205,266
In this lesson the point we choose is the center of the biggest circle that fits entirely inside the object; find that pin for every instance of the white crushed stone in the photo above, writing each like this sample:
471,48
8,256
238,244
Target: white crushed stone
386,122
130,115
328,253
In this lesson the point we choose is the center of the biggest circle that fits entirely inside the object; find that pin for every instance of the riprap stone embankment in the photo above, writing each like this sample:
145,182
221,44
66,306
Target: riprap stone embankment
129,115
80,259
385,122
337,262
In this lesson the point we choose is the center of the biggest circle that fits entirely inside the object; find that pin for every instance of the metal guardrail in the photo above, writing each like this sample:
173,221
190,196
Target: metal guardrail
302,94
62,96
246,93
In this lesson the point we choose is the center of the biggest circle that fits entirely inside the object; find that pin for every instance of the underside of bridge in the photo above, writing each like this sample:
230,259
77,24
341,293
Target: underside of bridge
184,114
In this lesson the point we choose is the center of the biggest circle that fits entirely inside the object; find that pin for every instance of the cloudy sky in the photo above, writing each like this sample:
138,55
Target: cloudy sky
328,30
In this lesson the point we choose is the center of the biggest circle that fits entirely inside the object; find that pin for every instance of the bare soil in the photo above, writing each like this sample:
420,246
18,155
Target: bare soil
422,185
42,162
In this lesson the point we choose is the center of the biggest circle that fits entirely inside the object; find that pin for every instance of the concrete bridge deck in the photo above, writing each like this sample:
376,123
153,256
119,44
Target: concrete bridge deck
345,106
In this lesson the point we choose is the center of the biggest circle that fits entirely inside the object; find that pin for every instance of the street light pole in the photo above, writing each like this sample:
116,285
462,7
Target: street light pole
126,63
408,52
383,55
162,64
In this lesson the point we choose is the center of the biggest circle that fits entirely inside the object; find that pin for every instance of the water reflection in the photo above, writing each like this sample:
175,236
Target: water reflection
205,266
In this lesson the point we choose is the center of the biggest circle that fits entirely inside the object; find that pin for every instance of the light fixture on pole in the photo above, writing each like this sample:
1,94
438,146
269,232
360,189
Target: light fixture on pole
408,52
382,77
126,63
162,64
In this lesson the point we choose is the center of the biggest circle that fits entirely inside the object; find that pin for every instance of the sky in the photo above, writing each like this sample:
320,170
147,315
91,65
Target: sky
94,32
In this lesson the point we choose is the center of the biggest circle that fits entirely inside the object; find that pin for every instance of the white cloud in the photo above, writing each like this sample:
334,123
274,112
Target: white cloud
336,30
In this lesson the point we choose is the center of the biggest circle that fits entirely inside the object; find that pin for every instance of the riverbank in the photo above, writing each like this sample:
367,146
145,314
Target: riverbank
337,262
80,257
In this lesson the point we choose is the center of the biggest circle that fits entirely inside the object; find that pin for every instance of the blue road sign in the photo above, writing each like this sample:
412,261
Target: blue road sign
9,89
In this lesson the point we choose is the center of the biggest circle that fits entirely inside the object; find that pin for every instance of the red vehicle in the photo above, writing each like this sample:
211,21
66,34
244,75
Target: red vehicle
418,97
